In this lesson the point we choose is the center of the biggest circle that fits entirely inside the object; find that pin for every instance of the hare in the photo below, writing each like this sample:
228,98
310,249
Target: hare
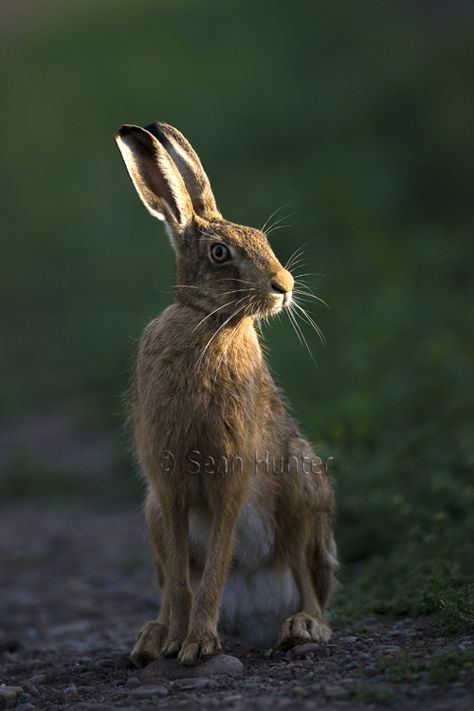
239,509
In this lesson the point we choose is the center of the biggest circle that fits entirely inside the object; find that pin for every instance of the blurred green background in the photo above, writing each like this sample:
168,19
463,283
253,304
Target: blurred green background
358,117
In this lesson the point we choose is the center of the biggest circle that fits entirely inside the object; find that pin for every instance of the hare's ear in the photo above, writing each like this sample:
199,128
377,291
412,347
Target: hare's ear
155,177
190,167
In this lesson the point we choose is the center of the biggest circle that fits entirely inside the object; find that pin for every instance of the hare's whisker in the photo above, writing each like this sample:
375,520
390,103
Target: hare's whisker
271,227
211,313
295,262
310,295
300,331
275,212
277,227
242,281
311,322
312,274
217,331
235,291
297,254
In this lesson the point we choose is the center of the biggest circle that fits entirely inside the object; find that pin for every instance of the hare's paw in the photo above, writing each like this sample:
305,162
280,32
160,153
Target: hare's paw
198,648
149,642
302,628
172,646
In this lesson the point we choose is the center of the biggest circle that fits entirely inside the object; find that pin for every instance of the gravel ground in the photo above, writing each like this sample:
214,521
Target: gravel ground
76,587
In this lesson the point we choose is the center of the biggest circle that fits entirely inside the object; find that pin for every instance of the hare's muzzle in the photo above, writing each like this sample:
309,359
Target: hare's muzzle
282,286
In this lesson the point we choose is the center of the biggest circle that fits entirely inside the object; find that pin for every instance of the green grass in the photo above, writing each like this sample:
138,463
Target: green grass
359,118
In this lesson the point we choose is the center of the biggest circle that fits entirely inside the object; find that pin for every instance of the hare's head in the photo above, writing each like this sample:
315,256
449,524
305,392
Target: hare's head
221,266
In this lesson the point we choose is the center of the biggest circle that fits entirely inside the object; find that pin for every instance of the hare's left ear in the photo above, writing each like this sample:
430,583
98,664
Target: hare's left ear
155,177
190,168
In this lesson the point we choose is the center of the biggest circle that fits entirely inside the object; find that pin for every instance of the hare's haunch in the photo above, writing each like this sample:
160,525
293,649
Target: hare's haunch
239,508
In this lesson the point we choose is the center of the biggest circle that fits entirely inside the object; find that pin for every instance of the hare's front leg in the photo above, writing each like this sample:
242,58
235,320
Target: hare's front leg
153,635
167,523
177,583
202,640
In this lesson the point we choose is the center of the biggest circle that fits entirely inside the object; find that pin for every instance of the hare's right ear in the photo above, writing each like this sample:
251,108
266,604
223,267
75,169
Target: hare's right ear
155,177
188,163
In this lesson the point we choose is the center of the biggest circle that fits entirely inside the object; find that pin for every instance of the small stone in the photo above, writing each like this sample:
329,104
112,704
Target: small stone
71,690
301,650
37,679
9,696
172,669
23,698
185,684
149,691
205,683
133,682
388,649
348,640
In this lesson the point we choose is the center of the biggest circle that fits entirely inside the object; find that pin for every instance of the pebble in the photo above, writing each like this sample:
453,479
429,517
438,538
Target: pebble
172,669
149,691
205,683
387,649
71,690
9,696
37,679
348,640
301,650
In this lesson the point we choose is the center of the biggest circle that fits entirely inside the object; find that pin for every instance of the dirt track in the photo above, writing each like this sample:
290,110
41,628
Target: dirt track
75,588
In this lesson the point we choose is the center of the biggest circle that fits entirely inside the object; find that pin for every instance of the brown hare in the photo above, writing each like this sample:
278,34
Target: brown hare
239,509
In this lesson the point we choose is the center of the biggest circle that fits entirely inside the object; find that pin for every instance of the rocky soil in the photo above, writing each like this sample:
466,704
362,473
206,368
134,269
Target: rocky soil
76,587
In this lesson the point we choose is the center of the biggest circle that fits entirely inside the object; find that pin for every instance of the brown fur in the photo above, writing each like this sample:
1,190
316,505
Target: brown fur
202,385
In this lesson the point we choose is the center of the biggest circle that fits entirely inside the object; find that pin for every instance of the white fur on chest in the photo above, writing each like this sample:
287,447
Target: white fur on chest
260,593
254,536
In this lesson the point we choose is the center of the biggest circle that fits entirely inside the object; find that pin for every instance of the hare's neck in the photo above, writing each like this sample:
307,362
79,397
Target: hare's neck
230,347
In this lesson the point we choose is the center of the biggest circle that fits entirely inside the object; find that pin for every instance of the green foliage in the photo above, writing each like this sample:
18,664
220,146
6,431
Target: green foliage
362,120
441,667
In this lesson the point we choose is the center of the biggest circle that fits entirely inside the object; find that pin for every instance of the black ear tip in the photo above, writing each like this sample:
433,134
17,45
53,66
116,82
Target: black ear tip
124,131
156,130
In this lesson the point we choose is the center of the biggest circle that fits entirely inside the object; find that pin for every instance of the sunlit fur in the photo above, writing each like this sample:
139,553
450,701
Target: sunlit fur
250,547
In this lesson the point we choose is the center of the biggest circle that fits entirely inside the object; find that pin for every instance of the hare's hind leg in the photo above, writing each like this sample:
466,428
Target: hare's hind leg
314,573
152,636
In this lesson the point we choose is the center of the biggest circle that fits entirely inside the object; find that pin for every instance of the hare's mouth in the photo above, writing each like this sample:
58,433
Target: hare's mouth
282,299
273,304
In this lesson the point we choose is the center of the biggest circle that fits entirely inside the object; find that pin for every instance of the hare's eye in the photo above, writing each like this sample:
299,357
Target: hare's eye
219,253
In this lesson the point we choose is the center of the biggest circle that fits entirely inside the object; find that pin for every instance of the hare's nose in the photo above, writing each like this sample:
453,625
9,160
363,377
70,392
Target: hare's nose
283,283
